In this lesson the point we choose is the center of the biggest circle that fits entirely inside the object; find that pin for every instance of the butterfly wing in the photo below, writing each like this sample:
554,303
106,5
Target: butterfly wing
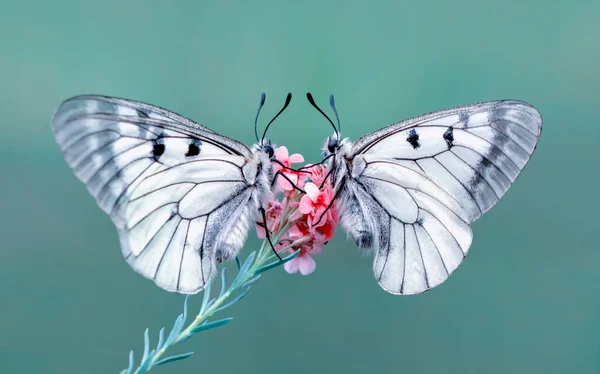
416,186
475,152
179,194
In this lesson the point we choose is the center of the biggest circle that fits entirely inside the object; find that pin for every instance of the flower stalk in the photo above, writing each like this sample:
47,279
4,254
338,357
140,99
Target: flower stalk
249,272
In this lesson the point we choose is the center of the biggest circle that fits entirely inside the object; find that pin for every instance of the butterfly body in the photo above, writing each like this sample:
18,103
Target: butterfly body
411,190
181,196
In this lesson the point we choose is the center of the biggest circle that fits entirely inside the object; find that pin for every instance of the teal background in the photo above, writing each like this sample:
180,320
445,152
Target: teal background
525,300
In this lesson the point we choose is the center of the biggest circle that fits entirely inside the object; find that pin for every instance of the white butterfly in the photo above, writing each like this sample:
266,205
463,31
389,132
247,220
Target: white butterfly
411,190
181,196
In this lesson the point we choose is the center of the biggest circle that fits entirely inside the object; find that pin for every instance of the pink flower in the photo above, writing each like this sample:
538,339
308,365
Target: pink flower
273,212
282,155
317,173
304,263
311,217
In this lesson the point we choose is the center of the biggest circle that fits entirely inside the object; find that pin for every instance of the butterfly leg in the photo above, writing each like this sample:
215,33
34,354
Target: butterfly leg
279,173
264,225
319,163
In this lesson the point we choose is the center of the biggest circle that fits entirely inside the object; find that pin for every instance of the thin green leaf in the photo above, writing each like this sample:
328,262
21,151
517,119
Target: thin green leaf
237,261
161,339
272,265
223,282
185,307
250,282
146,344
211,325
242,273
206,297
177,327
210,303
174,358
235,300
130,369
144,366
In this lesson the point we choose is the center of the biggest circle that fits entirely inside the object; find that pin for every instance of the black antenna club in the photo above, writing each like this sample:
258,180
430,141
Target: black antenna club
287,102
263,97
312,102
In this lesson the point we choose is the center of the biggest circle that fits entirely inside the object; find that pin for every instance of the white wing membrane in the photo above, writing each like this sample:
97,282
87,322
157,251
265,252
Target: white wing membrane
424,233
418,184
170,185
475,152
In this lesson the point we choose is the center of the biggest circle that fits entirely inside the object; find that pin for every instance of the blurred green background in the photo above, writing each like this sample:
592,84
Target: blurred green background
526,299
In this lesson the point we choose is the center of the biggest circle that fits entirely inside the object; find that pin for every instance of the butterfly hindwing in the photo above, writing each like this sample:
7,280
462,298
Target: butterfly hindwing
412,189
180,194
420,232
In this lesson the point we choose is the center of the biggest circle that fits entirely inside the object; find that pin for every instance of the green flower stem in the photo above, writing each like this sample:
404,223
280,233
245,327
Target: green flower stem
249,272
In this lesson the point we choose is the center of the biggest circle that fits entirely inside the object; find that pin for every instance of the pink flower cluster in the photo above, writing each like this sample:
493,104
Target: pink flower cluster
308,218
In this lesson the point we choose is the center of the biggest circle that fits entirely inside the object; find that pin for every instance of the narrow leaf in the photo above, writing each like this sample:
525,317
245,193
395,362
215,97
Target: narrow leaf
144,366
174,358
161,339
177,326
251,282
206,297
238,298
185,306
272,265
237,261
242,273
130,369
211,325
223,282
146,344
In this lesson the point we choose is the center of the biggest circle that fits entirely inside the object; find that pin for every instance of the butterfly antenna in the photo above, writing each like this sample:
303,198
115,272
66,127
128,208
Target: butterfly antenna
287,102
337,117
312,102
263,97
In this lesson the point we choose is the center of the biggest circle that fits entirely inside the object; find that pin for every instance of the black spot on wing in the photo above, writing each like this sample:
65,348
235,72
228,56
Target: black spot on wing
413,139
449,137
158,148
193,148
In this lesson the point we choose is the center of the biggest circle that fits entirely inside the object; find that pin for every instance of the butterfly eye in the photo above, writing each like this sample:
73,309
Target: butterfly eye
332,145
269,150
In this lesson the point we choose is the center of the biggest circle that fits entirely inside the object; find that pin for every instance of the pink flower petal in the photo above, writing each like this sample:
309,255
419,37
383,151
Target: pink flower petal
306,205
295,158
282,153
306,264
284,184
312,191
291,266
260,232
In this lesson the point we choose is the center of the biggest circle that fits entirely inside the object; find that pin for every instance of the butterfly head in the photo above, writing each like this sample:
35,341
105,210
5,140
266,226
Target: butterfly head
334,146
270,151
266,149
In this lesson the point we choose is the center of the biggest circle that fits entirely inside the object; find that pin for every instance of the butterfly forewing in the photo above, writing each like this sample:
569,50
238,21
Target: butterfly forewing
475,152
413,188
179,193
